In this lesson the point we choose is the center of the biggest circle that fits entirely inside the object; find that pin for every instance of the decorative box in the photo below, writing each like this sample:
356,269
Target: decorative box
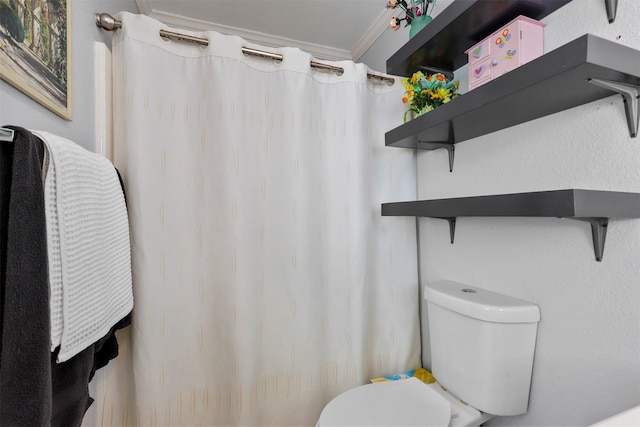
513,45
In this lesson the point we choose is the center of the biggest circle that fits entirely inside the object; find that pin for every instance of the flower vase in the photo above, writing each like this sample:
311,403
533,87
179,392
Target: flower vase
418,23
413,113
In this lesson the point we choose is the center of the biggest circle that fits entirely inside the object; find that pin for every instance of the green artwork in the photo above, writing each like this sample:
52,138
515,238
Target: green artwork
35,51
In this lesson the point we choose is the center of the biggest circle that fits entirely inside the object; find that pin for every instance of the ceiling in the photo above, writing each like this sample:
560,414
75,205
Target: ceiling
328,29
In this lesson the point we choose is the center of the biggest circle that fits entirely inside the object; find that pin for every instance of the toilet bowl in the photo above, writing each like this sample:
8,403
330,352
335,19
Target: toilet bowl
482,348
406,402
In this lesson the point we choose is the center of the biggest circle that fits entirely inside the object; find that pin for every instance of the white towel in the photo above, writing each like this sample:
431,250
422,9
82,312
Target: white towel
88,244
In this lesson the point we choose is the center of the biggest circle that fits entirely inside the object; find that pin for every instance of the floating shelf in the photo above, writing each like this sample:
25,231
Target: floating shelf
561,79
458,27
595,207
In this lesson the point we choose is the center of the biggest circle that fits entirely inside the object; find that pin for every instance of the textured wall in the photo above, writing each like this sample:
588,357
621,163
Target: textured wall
18,109
586,364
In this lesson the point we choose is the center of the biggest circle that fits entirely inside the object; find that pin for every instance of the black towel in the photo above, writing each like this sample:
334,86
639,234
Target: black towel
71,379
34,389
25,357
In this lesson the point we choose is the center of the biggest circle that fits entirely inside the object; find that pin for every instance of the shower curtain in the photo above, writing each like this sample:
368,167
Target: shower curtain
266,281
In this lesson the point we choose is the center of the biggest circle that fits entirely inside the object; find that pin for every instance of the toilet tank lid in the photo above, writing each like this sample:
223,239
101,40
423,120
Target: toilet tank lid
480,304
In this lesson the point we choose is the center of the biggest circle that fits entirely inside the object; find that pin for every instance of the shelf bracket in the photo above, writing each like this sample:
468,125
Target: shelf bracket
598,233
612,7
452,226
630,94
425,145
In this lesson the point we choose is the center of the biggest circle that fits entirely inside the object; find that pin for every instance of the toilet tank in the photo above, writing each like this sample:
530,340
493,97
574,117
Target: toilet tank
482,345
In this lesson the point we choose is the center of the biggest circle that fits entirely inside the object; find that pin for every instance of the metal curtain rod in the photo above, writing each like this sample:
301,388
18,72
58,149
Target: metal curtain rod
109,23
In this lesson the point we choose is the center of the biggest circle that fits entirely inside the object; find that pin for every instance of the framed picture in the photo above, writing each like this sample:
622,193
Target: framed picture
35,51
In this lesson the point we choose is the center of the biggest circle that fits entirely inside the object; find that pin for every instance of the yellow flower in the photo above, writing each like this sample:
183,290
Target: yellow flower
416,76
442,92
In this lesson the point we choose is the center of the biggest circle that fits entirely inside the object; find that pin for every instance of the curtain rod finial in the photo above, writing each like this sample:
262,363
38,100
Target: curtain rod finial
107,22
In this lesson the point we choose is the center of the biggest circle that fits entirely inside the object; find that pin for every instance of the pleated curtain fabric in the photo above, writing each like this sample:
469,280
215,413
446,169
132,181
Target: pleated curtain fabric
266,281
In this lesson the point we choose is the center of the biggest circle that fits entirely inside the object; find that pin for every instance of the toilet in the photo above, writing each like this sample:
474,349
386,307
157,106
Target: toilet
482,347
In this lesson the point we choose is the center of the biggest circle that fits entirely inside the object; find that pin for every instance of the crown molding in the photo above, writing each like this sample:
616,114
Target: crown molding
379,26
318,51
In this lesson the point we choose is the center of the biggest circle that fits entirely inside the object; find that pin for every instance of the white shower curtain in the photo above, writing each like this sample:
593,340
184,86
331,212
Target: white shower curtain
265,280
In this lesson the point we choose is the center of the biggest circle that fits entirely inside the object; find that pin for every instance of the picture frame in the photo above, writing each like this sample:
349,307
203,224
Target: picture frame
35,51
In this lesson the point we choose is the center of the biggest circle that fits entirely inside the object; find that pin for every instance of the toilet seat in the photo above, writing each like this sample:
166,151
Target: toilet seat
407,402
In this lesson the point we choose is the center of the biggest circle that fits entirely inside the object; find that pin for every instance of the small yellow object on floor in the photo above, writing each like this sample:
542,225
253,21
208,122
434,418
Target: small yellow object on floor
421,374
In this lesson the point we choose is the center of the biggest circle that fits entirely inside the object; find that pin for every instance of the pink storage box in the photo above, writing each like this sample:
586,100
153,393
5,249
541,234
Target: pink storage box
513,45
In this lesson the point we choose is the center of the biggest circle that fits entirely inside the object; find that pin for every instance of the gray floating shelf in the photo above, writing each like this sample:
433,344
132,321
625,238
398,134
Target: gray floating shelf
442,43
595,207
561,79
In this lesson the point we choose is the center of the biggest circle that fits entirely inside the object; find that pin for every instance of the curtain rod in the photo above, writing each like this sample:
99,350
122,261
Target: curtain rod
109,23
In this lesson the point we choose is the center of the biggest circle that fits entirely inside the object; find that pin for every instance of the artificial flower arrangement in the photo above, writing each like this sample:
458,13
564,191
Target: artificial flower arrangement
417,8
426,92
